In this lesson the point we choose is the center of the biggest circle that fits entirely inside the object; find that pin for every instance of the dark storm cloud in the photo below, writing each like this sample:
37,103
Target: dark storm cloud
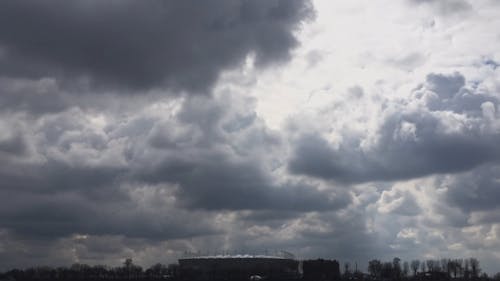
52,177
63,187
53,199
216,183
446,129
66,213
143,44
16,255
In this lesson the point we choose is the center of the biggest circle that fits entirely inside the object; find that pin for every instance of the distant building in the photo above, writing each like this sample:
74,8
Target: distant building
320,270
238,267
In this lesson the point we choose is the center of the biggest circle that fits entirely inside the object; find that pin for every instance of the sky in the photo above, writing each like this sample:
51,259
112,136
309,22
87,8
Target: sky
351,130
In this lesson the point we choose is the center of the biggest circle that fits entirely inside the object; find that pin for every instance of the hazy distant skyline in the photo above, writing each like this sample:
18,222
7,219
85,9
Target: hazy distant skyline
336,129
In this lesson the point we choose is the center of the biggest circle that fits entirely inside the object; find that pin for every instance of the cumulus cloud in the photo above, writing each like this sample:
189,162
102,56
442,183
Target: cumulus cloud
233,161
444,127
144,130
145,177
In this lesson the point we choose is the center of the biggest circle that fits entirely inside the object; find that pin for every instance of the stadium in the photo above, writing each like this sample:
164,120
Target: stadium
238,267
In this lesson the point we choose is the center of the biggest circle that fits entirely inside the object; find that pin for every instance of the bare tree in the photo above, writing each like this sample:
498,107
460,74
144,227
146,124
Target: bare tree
460,268
415,264
375,268
444,266
406,269
422,267
466,269
432,265
387,270
396,265
128,267
347,268
474,267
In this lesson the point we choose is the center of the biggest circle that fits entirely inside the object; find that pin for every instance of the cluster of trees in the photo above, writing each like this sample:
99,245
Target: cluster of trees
129,271
313,270
466,269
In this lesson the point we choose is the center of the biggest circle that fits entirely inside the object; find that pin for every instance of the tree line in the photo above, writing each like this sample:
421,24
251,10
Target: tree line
313,270
431,269
78,271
